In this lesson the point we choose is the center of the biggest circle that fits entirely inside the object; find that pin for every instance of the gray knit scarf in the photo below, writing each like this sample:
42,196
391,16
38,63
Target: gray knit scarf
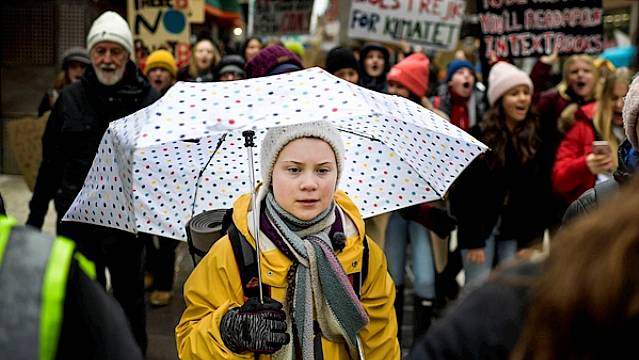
321,286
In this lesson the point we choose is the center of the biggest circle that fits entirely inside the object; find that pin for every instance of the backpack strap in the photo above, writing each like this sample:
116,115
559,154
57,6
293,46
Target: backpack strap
246,259
365,259
357,279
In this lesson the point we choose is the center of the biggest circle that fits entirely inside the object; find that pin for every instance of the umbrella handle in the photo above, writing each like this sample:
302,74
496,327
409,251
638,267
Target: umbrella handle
249,136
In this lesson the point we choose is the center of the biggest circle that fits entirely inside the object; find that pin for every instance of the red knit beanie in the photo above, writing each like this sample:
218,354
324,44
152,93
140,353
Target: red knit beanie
412,72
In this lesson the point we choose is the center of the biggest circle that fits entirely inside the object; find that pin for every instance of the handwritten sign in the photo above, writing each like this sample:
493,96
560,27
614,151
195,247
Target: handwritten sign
432,24
282,17
523,28
164,24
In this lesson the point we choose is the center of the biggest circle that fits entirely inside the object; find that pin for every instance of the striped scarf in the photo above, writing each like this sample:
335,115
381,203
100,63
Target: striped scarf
321,286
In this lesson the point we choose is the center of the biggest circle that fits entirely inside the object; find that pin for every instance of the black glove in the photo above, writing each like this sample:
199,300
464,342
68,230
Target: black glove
439,221
255,327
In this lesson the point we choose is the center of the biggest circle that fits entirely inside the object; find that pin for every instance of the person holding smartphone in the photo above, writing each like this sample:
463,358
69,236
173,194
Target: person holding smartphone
586,153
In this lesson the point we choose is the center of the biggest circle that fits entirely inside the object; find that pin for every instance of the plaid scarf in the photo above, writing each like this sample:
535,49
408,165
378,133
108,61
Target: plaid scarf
321,286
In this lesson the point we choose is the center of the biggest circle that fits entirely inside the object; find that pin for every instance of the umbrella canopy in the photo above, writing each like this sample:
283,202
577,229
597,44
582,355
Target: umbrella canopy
185,154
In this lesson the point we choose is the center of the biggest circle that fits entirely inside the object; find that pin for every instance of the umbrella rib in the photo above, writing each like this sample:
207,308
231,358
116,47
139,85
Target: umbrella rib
358,134
199,176
378,140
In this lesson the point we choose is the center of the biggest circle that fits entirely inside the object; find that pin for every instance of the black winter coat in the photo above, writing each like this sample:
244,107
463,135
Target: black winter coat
516,193
487,322
70,141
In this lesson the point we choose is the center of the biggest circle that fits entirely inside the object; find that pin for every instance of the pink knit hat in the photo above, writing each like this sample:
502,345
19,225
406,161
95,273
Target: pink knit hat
412,72
503,77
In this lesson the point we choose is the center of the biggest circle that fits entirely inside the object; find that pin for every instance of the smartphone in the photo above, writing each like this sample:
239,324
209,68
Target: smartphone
601,148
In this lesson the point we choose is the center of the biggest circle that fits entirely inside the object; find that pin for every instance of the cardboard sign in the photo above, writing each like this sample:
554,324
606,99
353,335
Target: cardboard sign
164,24
432,24
25,141
523,28
282,17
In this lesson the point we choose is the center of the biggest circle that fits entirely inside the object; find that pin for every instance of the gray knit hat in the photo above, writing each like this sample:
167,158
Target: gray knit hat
631,113
278,137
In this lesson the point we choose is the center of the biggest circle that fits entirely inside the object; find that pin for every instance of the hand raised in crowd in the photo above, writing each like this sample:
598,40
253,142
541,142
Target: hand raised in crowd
599,163
477,256
551,59
255,327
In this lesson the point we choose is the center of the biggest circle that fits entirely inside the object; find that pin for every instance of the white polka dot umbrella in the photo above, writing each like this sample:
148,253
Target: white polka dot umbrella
185,154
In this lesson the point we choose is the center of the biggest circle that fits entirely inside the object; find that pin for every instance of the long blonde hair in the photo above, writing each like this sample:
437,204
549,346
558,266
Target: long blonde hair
563,85
604,112
193,70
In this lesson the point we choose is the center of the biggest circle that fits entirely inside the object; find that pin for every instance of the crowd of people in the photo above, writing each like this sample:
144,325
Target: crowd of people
557,151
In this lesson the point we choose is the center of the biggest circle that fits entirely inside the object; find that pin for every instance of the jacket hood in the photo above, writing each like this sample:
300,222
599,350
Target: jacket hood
373,83
242,220
628,158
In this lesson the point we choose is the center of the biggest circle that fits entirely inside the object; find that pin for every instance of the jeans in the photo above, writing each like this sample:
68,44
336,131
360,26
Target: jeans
501,251
399,233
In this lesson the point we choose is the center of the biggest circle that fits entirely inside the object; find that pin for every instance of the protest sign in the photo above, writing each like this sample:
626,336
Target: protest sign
282,17
523,28
164,24
432,24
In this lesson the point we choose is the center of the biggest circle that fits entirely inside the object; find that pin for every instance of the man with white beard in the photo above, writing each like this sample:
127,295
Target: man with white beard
111,88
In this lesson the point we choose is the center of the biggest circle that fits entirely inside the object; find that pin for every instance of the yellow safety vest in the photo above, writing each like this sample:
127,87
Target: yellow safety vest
33,278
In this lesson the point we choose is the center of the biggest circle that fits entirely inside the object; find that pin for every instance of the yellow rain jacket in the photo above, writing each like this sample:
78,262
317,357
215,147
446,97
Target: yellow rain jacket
214,287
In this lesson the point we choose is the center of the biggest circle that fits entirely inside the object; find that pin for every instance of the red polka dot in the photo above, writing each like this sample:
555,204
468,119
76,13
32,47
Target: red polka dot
231,121
145,135
237,101
334,110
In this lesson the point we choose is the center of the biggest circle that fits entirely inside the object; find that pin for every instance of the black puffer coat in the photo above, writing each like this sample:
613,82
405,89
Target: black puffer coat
516,195
73,133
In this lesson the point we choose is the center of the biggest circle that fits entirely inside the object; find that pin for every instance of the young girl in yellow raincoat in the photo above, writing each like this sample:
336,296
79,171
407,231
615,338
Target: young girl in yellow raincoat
311,310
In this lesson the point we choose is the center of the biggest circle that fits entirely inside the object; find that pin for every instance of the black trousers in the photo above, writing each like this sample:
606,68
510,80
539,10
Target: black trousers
123,254
160,261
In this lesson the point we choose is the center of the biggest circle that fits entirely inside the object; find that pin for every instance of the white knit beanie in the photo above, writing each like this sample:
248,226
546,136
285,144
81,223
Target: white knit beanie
503,77
278,137
110,27
631,113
